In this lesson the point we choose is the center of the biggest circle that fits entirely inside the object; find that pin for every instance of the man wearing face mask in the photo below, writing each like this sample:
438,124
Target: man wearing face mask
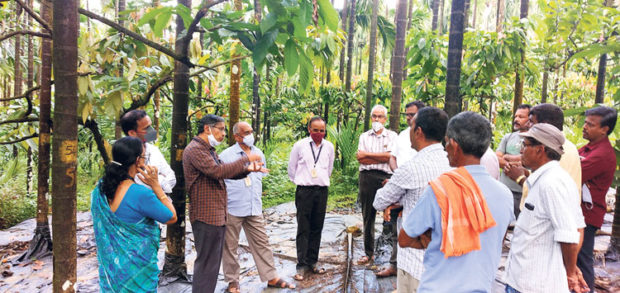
204,182
137,124
373,154
310,165
245,209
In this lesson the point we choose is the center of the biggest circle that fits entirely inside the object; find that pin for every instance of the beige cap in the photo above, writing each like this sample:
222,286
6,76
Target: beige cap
548,135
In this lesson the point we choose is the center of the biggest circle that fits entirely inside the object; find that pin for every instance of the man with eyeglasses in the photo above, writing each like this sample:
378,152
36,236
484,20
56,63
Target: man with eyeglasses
310,167
137,123
373,154
545,244
204,182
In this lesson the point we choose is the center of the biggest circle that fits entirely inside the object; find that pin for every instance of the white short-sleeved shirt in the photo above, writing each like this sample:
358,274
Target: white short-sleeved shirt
402,149
552,214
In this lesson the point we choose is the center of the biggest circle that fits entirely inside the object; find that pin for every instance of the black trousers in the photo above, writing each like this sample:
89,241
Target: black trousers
394,222
585,259
209,241
369,182
311,202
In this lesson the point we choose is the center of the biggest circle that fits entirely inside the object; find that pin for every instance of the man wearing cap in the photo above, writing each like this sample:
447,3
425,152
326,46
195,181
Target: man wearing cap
137,124
545,244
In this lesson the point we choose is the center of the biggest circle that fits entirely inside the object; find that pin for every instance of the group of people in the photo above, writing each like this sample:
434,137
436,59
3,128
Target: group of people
453,206
438,184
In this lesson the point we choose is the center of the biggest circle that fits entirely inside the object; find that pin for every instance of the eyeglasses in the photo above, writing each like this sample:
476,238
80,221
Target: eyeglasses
409,115
524,144
373,116
223,128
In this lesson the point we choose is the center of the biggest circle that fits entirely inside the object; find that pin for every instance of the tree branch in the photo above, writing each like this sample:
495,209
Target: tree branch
199,15
24,32
99,140
152,44
21,120
20,139
168,77
22,96
40,20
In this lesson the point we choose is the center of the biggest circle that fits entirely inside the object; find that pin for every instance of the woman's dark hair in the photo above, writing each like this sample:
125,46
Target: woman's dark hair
125,152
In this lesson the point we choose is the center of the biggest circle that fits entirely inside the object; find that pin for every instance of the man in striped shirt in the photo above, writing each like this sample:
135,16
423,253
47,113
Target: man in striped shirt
373,154
410,179
544,248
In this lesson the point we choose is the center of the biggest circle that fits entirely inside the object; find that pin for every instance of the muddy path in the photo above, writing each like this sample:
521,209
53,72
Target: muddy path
337,256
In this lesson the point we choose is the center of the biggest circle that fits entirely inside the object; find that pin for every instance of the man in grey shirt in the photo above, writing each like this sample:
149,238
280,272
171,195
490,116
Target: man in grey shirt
509,151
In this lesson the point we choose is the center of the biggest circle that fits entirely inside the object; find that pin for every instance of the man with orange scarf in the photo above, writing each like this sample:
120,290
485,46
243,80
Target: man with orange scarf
462,216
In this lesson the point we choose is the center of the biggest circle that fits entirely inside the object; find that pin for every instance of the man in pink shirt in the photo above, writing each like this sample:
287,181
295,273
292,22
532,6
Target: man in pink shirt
309,167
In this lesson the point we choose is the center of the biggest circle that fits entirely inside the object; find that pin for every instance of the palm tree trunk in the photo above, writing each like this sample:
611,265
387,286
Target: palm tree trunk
17,85
371,63
441,10
64,145
343,18
499,22
41,243
351,33
256,79
174,265
235,80
519,76
455,52
435,8
399,61
29,84
600,80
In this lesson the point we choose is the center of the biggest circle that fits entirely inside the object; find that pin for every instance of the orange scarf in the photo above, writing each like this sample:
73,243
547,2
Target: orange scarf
464,212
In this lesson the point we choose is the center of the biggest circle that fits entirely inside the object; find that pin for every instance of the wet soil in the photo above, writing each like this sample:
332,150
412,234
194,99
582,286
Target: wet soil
36,275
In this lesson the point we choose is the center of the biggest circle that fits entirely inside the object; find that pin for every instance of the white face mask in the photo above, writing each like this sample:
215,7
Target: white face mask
212,141
377,126
248,140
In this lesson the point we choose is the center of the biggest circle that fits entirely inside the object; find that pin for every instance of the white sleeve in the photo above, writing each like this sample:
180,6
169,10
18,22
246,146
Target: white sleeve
167,178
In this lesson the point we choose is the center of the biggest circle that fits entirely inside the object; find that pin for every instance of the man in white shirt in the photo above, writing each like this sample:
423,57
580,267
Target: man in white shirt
137,124
409,180
373,154
543,253
401,153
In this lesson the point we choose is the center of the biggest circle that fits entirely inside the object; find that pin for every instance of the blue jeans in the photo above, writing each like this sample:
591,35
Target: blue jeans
511,290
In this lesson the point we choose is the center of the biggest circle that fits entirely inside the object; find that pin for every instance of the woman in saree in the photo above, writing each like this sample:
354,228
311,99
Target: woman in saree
124,218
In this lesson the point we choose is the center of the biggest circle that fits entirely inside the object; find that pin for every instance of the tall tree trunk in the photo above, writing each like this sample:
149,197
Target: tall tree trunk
409,20
475,12
174,266
545,82
17,85
156,95
256,77
29,84
120,7
499,22
351,33
371,63
235,79
441,10
455,52
64,145
600,80
435,8
343,18
519,76
41,243
399,61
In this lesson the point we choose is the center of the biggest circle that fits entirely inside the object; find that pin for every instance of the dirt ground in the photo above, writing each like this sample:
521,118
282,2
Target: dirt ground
36,275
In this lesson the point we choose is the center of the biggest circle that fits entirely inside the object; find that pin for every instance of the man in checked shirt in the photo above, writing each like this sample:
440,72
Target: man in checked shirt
204,181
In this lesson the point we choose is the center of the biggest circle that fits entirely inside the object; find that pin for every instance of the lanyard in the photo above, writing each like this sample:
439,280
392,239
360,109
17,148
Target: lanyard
316,158
217,162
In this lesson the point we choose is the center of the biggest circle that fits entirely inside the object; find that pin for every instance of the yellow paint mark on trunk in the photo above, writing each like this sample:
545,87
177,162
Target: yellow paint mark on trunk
179,156
68,151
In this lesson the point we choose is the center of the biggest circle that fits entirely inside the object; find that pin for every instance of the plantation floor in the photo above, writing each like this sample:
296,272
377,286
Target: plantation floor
36,275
